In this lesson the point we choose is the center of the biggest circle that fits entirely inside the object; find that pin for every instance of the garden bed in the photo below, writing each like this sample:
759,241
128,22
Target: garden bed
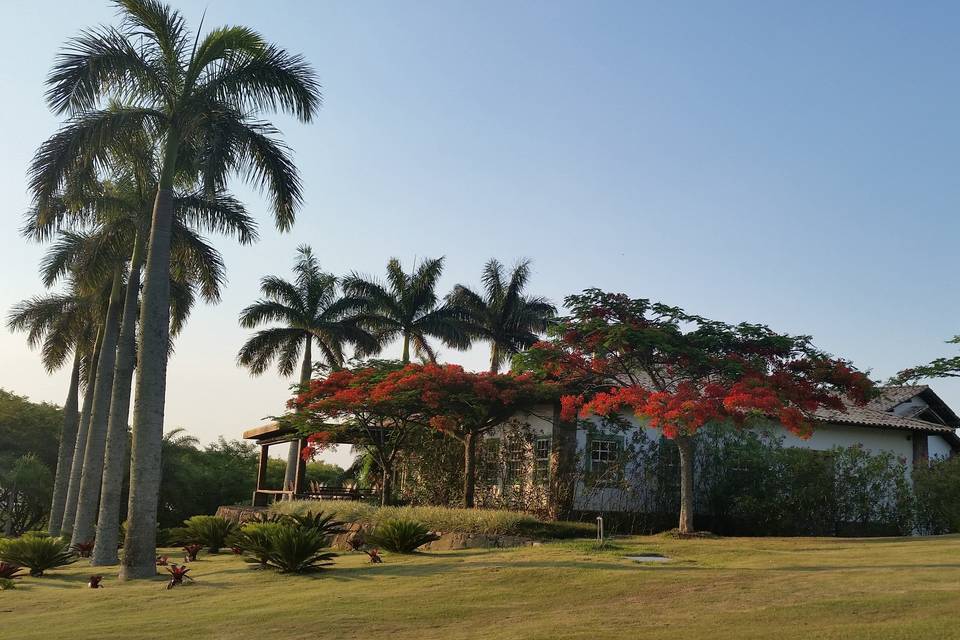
495,527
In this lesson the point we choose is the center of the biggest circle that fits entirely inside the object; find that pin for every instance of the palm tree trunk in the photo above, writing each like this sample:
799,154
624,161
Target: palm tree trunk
140,545
293,454
85,522
406,349
76,465
494,358
115,461
469,469
685,447
68,440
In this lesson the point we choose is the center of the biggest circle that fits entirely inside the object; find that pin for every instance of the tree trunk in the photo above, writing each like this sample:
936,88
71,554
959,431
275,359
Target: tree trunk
115,460
469,469
685,447
293,455
494,358
386,483
68,440
140,545
88,500
406,349
80,447
563,465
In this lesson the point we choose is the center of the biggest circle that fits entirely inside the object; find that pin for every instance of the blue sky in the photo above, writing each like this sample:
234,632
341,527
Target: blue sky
789,164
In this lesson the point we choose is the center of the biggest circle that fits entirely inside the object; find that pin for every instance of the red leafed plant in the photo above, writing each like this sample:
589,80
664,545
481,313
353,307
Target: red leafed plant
178,573
10,571
236,550
94,582
191,550
83,549
375,557
162,561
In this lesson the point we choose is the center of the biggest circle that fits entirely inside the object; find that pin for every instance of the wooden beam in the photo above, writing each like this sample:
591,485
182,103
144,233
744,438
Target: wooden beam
261,476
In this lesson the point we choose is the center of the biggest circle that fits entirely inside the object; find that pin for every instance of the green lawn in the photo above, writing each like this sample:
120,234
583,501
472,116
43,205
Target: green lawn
720,588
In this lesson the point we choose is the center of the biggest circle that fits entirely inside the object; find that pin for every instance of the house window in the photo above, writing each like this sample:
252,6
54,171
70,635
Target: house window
490,461
604,453
514,455
541,460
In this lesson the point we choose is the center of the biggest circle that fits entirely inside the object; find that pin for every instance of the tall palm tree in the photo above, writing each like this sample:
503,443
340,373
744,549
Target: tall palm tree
310,311
501,314
102,253
198,95
406,307
61,324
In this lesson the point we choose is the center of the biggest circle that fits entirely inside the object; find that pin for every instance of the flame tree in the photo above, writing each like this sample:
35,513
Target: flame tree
378,406
680,371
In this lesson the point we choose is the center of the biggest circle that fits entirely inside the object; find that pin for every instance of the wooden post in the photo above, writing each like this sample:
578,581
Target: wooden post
261,477
300,480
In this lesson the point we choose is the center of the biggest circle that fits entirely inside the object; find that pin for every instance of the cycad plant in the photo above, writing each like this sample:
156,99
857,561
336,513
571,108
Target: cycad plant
297,549
501,314
254,540
199,97
306,312
406,306
37,553
210,531
400,535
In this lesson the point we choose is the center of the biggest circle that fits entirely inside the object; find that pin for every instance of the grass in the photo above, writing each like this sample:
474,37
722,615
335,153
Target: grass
718,589
443,519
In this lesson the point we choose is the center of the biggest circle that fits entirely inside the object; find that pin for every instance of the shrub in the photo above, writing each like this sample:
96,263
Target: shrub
401,536
318,521
7,584
36,553
254,540
937,490
191,550
173,537
445,519
10,571
178,574
294,549
210,531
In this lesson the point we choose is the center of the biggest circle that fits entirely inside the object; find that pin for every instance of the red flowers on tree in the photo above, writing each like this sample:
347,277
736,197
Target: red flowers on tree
377,406
363,406
680,372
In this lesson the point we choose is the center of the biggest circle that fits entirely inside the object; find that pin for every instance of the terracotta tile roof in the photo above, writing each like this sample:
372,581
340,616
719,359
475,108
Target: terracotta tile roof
892,396
870,417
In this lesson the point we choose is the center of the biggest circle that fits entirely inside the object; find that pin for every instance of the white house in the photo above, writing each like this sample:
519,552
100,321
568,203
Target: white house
912,422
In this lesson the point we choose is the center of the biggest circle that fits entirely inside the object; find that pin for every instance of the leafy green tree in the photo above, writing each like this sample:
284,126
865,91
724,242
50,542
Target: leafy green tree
25,491
199,96
309,311
502,315
406,306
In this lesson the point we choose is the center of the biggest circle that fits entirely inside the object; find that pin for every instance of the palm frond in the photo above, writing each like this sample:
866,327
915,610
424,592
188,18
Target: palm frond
265,79
268,345
219,212
96,63
82,143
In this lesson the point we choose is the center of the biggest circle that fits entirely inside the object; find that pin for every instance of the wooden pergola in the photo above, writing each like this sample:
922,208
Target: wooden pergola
265,436
273,433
